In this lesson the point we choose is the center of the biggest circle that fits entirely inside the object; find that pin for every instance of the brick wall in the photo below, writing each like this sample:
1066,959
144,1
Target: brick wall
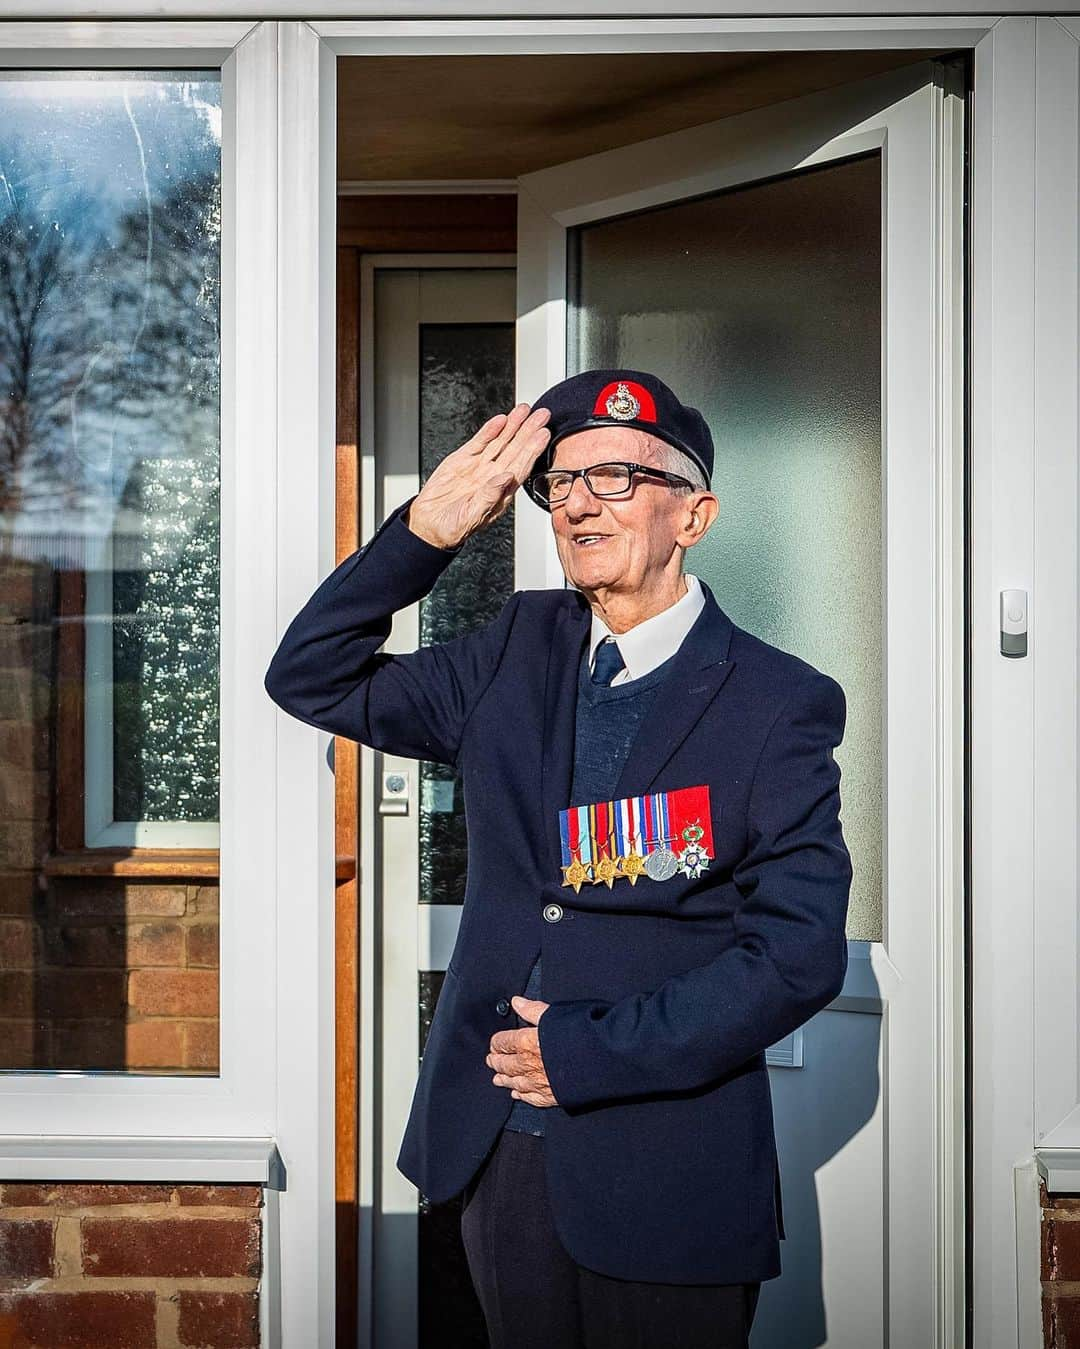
129,1266
103,973
95,972
1060,1228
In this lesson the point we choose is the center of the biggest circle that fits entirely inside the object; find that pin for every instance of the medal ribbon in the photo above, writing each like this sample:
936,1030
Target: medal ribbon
635,823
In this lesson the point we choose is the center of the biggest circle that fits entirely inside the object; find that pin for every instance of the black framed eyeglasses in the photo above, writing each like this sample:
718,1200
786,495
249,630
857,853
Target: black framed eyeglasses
553,485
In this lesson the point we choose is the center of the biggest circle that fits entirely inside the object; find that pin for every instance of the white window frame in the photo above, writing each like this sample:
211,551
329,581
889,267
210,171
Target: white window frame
239,1101
269,1113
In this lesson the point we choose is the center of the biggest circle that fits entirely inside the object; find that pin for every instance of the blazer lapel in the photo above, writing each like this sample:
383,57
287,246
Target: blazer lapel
697,674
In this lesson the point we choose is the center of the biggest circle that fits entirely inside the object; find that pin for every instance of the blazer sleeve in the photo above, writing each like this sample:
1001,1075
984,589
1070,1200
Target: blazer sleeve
328,671
789,956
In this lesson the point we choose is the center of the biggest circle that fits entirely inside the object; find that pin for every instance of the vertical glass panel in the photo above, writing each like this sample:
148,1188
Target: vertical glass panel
110,240
761,307
466,376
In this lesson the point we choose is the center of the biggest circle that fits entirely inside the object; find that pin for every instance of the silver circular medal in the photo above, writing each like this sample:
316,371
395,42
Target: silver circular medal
661,864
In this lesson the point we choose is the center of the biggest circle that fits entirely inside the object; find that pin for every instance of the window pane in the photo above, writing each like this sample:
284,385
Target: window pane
466,376
110,240
762,307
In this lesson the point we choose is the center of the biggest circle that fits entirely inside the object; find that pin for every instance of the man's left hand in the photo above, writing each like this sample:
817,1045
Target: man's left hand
515,1056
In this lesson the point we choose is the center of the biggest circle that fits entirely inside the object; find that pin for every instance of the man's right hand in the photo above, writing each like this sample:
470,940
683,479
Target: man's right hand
475,483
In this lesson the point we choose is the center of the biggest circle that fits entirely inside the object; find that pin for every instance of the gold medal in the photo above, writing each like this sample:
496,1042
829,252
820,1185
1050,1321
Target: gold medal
605,870
633,865
575,874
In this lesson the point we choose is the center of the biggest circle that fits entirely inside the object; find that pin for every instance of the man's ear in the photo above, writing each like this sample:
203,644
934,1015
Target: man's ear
704,509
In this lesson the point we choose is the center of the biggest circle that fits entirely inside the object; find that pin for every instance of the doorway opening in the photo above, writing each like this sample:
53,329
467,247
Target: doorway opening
754,278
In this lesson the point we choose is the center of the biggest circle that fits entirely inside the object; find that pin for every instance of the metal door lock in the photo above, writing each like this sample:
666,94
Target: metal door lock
395,793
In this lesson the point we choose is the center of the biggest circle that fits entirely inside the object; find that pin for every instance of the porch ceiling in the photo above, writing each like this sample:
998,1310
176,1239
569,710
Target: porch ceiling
436,117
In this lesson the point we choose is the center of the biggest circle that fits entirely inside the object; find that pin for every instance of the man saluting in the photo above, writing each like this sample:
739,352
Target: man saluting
657,883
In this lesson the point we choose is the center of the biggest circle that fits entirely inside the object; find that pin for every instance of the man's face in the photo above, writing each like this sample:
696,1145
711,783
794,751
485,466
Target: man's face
619,543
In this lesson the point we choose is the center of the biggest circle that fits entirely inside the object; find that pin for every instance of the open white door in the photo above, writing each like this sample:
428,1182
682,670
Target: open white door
796,272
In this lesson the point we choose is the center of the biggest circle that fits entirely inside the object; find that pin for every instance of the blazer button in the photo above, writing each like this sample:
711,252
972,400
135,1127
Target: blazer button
502,1007
553,913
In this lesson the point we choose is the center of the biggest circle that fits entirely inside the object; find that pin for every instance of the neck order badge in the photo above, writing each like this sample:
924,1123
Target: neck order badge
637,835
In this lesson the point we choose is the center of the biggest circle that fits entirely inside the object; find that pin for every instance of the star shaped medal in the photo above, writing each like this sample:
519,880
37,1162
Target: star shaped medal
575,874
606,870
693,859
633,866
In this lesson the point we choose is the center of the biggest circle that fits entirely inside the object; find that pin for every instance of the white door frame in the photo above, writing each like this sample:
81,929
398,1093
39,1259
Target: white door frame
386,964
1007,193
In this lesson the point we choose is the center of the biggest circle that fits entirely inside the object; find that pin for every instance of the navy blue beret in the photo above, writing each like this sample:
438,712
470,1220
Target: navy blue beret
624,398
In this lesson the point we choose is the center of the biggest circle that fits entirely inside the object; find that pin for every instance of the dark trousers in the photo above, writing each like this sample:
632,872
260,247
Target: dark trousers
534,1296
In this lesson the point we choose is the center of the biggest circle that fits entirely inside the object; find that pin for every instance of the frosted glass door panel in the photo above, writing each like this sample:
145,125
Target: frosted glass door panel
762,307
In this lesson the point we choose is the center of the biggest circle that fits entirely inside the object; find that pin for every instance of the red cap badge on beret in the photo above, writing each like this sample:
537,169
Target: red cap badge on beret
625,401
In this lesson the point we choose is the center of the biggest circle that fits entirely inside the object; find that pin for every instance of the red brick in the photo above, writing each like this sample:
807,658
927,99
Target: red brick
204,1248
24,794
202,944
23,843
116,945
79,993
1061,1250
202,1046
18,892
25,1044
155,944
236,1196
23,744
16,699
206,900
1062,1322
109,898
81,1320
96,1043
155,1044
17,587
16,944
16,993
100,944
20,645
219,1320
26,1248
174,992
82,1196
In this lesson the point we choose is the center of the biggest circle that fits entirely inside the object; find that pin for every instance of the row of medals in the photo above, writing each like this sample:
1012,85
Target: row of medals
659,865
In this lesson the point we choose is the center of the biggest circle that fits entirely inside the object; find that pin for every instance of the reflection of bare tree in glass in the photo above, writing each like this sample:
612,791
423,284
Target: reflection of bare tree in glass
42,254
109,407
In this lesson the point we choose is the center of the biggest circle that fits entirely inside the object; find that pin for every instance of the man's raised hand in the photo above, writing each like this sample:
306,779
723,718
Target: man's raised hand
475,483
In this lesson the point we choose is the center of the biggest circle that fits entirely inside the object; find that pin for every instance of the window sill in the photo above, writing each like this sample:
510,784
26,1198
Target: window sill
195,864
1060,1169
124,1160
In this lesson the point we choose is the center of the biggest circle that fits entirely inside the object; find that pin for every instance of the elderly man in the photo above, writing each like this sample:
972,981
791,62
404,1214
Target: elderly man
657,882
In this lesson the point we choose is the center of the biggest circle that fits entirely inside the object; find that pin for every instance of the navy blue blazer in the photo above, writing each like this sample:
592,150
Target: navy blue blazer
664,994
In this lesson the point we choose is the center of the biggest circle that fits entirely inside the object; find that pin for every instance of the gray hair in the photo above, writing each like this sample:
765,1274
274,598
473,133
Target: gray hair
678,461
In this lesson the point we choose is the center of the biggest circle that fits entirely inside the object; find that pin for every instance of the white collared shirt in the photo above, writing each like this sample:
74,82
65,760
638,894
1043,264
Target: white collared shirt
649,643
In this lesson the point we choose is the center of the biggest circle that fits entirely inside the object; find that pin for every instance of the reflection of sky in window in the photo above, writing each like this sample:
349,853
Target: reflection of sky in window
86,123
110,227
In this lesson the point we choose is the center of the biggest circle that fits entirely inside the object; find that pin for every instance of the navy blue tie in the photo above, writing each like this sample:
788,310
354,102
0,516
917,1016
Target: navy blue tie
607,662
